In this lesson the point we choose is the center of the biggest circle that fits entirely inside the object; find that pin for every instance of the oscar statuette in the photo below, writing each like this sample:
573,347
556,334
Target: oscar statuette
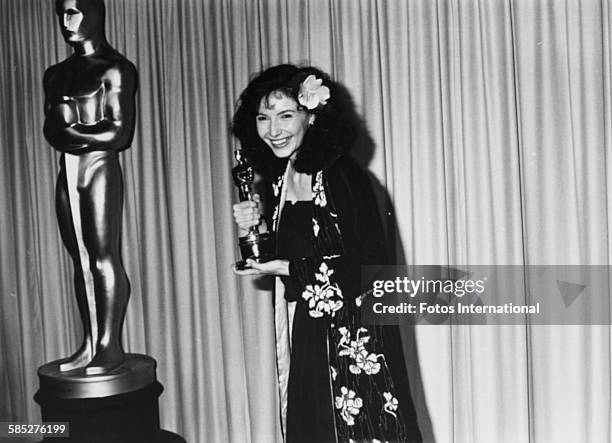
256,245
102,392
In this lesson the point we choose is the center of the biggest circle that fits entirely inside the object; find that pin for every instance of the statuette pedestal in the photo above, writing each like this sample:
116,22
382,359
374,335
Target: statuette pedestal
120,406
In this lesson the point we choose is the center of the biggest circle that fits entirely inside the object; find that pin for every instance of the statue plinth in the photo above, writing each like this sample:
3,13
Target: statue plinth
137,372
119,406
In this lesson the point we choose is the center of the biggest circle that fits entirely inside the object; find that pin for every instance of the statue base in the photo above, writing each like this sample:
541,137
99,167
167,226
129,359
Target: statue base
256,246
120,406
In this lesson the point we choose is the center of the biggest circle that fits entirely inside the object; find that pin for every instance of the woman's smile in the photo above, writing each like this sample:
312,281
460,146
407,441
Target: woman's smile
280,142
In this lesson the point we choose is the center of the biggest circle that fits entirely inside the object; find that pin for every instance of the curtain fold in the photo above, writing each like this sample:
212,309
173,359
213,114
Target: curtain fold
487,135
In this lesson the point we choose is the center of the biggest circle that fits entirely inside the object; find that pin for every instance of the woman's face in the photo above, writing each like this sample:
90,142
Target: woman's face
281,125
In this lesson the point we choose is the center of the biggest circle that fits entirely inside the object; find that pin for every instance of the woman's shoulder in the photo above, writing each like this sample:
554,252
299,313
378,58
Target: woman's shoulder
346,169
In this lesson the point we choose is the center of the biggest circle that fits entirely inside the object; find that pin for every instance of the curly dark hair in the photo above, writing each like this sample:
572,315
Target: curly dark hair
331,135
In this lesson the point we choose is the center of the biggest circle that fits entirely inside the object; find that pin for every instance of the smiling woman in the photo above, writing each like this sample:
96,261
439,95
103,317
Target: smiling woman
305,92
344,380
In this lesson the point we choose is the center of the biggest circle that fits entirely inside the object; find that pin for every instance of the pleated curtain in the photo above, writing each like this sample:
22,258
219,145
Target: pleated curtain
488,135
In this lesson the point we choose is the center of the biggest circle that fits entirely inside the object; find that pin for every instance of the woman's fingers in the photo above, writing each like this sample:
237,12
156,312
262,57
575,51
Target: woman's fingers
246,271
272,267
246,214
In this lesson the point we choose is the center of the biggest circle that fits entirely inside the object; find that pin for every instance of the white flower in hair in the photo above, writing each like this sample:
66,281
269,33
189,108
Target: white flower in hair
313,93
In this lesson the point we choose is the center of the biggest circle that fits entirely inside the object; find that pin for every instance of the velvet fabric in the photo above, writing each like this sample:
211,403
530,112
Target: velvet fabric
347,380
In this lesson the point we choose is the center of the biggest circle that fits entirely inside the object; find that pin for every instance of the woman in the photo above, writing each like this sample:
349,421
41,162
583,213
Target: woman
345,380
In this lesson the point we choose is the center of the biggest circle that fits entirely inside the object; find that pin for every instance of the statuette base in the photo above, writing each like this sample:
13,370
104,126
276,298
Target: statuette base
120,406
256,246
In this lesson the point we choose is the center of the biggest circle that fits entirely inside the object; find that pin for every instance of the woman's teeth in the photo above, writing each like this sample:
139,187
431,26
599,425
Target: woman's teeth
281,143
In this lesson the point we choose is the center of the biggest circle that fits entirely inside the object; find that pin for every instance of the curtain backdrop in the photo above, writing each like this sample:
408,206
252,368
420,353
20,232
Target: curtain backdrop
489,132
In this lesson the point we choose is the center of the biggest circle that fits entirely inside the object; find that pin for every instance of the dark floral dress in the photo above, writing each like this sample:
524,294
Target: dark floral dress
346,381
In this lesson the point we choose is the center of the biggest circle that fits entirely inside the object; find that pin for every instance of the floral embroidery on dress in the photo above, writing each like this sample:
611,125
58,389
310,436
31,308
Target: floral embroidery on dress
277,185
355,349
334,373
391,404
319,192
366,362
329,257
324,298
275,215
358,301
315,227
349,405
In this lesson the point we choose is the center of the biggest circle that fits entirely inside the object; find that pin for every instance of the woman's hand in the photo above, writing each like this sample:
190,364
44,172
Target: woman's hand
273,267
247,214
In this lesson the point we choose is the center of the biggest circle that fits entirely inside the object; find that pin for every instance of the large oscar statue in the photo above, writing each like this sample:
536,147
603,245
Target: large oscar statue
105,394
89,118
255,245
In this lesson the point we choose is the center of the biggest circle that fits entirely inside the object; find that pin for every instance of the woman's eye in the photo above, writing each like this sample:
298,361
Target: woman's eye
286,116
261,118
